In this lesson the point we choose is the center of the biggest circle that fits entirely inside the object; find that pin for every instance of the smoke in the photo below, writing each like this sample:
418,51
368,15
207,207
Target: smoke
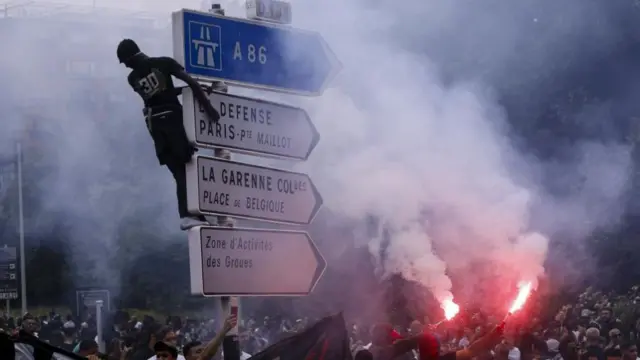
414,135
91,162
414,132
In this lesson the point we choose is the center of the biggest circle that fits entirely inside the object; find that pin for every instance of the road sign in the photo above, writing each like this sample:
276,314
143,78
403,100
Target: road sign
269,10
86,300
254,54
232,261
250,125
8,273
223,187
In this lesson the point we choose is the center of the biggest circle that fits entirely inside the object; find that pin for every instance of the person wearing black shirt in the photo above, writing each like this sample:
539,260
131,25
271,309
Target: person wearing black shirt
612,350
629,351
150,77
69,342
592,349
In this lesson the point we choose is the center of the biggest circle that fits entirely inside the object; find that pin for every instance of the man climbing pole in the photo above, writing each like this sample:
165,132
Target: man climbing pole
151,78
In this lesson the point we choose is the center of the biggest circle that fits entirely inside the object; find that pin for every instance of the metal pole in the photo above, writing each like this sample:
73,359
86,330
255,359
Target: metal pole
23,262
229,304
99,325
8,308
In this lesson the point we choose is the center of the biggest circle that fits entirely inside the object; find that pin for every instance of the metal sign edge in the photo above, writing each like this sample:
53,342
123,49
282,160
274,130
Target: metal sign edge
318,204
177,33
249,85
178,52
321,262
315,135
252,22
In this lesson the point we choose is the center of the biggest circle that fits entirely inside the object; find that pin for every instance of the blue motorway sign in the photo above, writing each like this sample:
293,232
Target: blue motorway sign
253,54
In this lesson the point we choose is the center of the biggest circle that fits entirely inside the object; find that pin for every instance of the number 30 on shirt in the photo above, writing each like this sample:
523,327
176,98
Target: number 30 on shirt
149,84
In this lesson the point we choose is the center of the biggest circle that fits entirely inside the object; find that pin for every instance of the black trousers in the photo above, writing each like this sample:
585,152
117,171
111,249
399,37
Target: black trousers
172,149
177,169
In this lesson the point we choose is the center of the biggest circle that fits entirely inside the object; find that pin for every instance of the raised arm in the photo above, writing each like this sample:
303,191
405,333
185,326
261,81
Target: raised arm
212,347
199,94
178,71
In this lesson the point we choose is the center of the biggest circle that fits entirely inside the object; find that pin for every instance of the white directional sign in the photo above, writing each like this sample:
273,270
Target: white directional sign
232,261
250,125
222,187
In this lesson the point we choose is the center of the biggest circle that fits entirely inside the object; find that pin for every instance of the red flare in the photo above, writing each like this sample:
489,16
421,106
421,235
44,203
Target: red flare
450,308
395,335
521,299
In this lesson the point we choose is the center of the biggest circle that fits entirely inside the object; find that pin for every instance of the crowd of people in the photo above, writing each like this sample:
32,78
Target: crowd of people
597,326
129,338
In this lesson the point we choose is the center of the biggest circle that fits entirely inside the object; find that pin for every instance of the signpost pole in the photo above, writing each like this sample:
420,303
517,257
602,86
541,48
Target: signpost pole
8,307
23,263
100,325
229,304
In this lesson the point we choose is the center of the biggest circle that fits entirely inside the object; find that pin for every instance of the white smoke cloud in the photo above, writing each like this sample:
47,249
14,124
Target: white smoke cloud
427,154
431,158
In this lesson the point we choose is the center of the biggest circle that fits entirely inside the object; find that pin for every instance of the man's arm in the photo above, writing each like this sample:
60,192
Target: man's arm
131,81
212,347
198,93
403,346
484,343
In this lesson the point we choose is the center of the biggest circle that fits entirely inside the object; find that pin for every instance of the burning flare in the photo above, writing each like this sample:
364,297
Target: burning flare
450,308
523,294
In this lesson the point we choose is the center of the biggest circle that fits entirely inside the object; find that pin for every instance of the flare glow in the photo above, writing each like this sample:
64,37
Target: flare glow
450,308
521,299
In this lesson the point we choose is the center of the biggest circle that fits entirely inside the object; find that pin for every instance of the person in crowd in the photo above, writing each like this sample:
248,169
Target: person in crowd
606,322
69,324
88,349
629,351
166,335
69,338
207,352
612,350
466,338
164,351
151,78
142,349
192,350
593,346
387,344
30,325
501,352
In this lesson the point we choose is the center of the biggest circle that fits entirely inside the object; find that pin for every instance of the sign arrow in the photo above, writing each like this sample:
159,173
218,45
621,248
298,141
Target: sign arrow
222,187
253,54
236,262
250,125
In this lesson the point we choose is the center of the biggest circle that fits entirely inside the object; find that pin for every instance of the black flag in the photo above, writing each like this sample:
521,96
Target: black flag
325,340
29,347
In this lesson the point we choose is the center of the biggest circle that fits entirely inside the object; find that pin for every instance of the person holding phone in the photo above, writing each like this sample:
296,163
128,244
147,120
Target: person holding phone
197,351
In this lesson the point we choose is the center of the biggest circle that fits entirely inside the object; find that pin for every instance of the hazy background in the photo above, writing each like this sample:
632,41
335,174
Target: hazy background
462,145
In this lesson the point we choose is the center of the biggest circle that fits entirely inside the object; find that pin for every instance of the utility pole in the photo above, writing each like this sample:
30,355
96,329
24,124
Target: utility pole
23,262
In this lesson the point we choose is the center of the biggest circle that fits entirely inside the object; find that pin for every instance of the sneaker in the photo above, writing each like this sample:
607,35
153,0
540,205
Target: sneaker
189,222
